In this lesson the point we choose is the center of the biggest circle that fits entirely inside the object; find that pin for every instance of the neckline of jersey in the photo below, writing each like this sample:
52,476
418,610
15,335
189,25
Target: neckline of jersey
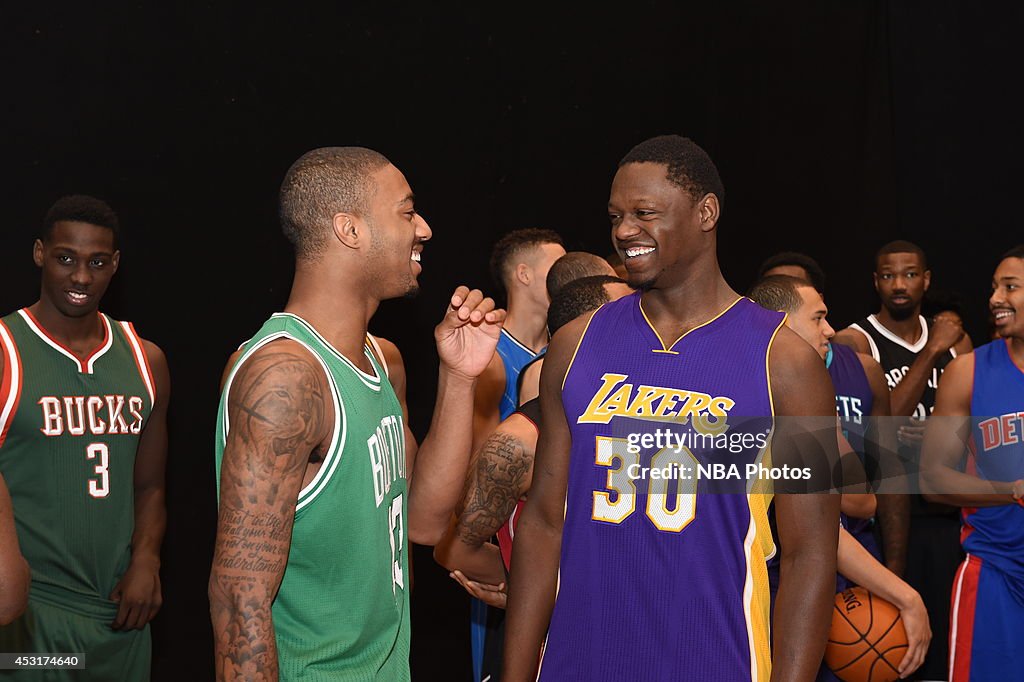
374,378
912,347
84,363
668,350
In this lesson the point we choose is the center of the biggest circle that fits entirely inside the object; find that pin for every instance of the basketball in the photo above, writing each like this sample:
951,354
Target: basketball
866,641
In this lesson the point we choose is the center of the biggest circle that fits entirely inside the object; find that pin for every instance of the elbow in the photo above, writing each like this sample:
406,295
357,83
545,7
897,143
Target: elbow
443,556
928,485
425,535
10,610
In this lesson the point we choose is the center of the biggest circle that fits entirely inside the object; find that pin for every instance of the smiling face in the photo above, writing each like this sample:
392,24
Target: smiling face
397,233
901,280
809,322
656,225
77,261
1007,300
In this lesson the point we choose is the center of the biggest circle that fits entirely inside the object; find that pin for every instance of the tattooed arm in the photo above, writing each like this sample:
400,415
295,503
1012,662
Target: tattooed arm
278,413
498,476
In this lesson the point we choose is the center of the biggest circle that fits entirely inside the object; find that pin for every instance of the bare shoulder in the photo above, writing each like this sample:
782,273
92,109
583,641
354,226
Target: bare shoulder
799,382
392,356
872,369
959,371
955,388
562,348
853,338
281,390
282,360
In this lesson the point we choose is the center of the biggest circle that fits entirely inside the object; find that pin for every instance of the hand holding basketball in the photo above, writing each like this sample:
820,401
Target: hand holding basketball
867,641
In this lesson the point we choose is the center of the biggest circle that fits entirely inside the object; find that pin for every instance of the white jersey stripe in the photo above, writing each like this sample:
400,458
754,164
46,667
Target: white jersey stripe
141,361
12,372
90,361
330,463
871,342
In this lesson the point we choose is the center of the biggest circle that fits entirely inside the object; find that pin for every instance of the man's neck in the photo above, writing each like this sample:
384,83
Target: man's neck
341,313
527,323
700,295
908,329
80,334
1015,347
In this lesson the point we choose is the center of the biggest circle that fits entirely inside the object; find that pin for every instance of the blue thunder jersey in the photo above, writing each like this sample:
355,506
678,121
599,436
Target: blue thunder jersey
663,578
514,356
996,534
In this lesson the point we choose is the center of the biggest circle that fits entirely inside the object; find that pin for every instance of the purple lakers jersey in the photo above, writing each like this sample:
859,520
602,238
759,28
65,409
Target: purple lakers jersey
662,573
996,534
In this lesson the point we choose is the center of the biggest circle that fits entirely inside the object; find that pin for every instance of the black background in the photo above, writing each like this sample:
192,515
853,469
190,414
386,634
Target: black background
836,126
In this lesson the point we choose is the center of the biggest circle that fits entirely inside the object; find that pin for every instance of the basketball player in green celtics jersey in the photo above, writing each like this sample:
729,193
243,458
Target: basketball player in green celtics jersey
317,502
83,446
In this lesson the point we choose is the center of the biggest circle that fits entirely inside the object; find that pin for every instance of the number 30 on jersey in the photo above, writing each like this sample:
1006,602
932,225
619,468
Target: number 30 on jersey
623,487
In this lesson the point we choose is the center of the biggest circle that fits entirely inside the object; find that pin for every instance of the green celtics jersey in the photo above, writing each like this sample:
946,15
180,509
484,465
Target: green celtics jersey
69,431
342,612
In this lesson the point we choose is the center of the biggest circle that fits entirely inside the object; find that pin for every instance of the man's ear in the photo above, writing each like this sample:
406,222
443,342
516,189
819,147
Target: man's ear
115,260
927,279
710,211
37,253
524,273
348,229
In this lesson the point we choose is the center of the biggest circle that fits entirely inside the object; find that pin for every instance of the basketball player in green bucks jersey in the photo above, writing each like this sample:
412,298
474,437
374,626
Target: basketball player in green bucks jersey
83,446
317,503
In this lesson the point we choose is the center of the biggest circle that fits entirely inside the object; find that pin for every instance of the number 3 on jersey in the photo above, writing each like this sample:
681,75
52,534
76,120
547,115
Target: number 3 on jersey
100,488
622,485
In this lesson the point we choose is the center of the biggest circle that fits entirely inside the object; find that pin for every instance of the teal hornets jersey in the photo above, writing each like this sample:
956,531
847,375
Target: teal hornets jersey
69,431
342,612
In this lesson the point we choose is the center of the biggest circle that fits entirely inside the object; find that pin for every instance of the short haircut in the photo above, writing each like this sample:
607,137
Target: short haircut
779,292
578,297
80,208
320,184
1015,252
575,265
901,246
801,260
514,244
689,166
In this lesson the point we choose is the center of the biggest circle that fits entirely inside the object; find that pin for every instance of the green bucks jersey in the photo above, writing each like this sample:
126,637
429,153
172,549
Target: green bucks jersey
342,612
69,431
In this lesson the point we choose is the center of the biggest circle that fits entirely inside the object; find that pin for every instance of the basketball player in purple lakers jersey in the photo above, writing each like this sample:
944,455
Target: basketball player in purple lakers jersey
658,579
981,402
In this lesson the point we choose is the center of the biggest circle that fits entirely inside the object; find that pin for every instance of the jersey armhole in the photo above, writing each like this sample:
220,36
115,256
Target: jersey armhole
872,346
310,491
10,381
141,360
580,343
380,354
